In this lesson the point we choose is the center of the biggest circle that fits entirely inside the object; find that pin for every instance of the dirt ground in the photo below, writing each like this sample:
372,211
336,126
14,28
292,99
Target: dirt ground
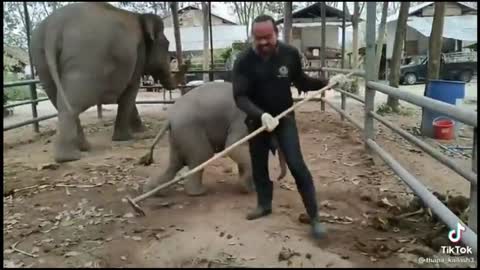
75,215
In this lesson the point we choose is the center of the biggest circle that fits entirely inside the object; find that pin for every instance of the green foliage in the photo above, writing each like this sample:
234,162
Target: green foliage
384,109
239,46
16,93
226,54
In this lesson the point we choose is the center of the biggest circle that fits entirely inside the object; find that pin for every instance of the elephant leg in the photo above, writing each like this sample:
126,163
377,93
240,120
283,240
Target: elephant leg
83,144
126,105
136,123
197,151
176,163
66,145
241,157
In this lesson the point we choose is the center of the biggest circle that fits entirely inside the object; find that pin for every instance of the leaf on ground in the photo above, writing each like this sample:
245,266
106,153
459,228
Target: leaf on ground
136,238
129,215
50,166
12,264
72,254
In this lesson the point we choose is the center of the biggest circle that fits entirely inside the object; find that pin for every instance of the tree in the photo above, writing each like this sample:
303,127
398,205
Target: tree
400,34
176,32
287,23
434,48
205,39
435,42
158,8
381,37
355,17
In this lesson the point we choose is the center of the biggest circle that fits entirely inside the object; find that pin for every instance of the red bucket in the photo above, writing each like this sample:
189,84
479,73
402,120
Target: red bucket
443,128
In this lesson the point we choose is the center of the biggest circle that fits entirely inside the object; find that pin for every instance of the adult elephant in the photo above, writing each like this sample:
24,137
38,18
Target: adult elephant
94,53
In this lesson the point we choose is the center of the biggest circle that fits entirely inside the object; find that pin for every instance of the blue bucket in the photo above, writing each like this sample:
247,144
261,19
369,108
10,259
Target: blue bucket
451,92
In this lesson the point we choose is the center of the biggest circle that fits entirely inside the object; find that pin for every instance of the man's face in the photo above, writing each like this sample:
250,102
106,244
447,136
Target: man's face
264,38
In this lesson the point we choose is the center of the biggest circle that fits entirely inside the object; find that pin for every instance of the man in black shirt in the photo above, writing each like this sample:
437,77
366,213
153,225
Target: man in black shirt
262,76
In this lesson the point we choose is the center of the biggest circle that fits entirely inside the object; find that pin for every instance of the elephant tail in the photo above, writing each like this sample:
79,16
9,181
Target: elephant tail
51,39
160,134
147,159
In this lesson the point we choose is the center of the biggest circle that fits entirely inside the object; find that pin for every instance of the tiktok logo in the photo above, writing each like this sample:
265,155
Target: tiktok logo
456,234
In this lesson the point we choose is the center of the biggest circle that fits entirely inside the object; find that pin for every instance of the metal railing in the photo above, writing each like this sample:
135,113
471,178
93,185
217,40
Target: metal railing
465,116
35,120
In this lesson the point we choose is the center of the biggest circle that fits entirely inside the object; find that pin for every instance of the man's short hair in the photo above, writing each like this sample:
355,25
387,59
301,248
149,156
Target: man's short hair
265,18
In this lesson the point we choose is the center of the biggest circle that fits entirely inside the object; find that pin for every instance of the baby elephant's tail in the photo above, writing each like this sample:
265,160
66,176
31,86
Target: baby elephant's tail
147,159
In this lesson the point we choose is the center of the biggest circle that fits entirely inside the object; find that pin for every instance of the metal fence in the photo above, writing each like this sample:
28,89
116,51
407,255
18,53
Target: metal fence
469,236
371,87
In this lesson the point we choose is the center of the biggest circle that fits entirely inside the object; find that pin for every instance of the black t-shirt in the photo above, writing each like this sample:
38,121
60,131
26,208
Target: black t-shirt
264,85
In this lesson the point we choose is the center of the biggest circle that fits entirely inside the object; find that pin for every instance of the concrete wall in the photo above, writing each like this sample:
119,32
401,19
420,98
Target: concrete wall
312,37
192,18
422,41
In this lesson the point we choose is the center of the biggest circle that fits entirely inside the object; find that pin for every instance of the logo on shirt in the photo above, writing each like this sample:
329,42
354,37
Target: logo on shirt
283,72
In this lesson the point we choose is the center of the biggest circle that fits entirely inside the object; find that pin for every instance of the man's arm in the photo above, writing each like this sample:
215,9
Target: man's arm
241,83
301,80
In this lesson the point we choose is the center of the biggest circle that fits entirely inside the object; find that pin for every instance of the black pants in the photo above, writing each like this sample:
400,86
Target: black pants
288,141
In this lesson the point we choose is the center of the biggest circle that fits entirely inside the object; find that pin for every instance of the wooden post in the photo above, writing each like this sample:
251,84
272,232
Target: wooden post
210,74
354,61
178,40
99,111
287,22
472,217
323,52
370,72
205,40
343,105
33,88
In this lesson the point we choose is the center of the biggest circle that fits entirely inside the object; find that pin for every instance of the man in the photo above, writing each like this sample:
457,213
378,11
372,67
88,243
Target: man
262,76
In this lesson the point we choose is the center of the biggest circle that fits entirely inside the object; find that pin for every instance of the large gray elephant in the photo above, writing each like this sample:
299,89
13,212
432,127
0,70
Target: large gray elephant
203,122
94,53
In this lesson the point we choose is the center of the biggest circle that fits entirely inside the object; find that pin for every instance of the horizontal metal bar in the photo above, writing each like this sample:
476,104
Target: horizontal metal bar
300,99
357,72
450,219
161,87
155,101
21,124
19,83
466,173
356,97
342,112
24,103
462,115
203,71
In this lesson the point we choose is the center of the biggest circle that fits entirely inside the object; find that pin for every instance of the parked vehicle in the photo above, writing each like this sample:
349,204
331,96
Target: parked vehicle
459,66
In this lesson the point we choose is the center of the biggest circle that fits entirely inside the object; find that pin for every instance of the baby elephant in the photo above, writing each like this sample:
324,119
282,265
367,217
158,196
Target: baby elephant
201,123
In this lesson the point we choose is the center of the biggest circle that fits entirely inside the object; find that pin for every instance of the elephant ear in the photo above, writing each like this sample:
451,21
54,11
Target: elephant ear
149,26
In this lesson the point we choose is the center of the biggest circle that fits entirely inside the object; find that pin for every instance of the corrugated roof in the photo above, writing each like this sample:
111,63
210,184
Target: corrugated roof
314,11
456,27
192,37
421,6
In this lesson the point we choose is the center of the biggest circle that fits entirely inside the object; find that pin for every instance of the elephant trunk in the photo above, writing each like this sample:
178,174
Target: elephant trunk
171,82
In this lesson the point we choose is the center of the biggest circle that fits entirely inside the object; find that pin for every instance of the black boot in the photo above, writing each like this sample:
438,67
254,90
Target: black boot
259,212
318,229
